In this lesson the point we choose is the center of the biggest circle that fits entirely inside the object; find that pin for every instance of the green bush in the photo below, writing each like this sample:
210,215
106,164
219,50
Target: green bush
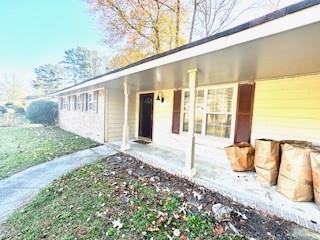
18,110
9,104
44,112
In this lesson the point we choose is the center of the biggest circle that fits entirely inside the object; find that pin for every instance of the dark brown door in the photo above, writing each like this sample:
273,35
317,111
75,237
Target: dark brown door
244,113
146,115
176,111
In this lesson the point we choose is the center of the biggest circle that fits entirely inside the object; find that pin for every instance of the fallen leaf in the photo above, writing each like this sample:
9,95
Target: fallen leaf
218,229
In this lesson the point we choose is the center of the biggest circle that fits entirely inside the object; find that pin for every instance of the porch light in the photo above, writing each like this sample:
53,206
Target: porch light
160,97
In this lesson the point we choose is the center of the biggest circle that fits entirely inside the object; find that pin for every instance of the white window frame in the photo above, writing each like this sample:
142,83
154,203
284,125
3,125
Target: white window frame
90,101
65,103
204,117
78,100
69,103
203,109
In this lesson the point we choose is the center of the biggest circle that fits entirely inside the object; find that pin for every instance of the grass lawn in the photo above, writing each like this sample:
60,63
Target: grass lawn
122,198
109,206
21,147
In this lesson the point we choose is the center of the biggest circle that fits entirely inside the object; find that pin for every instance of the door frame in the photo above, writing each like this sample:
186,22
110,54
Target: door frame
139,115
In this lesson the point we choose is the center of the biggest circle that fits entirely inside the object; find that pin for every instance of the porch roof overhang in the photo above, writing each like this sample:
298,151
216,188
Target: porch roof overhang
288,45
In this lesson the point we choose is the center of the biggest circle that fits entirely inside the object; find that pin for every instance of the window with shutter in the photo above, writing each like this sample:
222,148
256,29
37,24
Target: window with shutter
176,112
213,111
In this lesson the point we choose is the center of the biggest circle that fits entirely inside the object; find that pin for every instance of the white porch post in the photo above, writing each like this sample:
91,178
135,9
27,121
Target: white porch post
189,160
125,135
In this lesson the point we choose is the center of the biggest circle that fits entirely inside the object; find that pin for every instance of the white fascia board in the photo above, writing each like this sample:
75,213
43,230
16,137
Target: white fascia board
288,22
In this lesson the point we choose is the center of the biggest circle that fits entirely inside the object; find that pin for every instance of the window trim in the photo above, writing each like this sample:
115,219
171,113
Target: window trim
69,103
204,118
79,103
93,102
90,101
64,103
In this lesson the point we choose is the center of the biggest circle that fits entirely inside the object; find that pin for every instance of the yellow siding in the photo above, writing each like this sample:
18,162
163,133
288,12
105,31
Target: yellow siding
287,108
115,111
163,136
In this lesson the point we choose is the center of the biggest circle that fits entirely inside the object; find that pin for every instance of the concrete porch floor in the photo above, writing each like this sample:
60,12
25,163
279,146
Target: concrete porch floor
217,175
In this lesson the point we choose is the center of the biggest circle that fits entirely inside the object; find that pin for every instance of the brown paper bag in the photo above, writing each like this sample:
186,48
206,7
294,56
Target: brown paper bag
241,156
315,165
294,142
295,176
267,160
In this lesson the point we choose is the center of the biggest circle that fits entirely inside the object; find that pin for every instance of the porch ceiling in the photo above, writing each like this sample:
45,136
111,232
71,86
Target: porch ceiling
287,53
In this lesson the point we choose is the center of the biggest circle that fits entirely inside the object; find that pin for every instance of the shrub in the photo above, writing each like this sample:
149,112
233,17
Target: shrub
44,112
18,110
9,104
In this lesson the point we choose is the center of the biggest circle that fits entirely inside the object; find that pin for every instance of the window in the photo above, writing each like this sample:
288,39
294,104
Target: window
213,112
74,105
78,102
61,103
84,101
186,106
218,116
90,101
198,112
69,103
64,103
95,101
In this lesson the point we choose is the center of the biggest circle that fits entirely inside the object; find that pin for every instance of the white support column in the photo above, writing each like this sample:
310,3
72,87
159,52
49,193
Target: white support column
125,136
189,160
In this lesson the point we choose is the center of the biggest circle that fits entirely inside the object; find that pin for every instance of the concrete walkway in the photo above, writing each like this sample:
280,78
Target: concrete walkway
17,190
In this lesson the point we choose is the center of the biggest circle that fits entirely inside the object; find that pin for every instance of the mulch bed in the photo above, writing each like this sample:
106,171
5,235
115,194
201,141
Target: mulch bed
243,220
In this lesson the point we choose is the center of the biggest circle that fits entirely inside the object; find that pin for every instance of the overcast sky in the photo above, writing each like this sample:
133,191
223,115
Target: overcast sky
36,32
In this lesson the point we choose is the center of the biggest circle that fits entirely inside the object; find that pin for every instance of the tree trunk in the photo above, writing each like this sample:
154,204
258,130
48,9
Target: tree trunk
193,20
177,22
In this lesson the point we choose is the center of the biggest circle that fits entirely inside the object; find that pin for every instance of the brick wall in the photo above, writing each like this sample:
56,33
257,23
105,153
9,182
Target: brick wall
89,123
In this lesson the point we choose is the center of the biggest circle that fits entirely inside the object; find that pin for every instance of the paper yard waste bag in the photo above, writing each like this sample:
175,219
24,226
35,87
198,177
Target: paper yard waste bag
267,160
294,142
315,165
295,176
241,156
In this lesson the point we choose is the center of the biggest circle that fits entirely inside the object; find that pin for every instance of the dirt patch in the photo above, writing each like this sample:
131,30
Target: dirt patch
234,218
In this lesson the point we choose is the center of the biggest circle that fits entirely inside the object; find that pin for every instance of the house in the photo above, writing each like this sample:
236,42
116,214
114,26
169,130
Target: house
257,80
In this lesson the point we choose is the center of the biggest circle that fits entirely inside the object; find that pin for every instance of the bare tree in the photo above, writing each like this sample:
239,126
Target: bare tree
273,4
215,15
12,88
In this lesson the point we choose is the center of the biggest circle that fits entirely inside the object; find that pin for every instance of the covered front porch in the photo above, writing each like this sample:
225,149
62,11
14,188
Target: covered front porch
215,173
197,153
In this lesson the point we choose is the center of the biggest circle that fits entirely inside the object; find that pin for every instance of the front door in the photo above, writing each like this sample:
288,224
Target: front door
146,115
